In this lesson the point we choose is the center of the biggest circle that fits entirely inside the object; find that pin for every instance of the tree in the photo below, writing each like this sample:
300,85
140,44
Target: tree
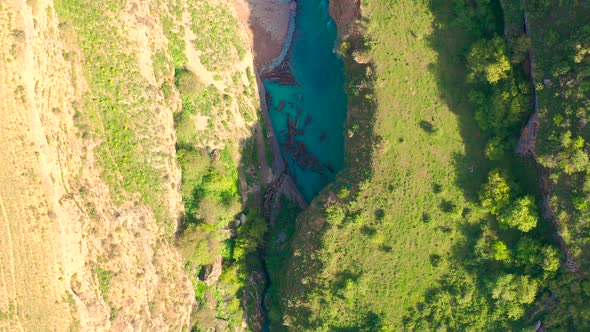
502,109
456,304
489,247
528,252
501,251
474,16
551,261
580,203
539,6
511,293
570,157
250,235
488,59
520,47
536,259
522,215
495,195
495,148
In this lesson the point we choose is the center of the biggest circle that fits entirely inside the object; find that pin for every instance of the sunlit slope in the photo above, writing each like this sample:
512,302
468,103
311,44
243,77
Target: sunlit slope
91,188
383,237
34,243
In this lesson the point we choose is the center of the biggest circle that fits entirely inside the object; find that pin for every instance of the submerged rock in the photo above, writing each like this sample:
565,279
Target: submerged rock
281,106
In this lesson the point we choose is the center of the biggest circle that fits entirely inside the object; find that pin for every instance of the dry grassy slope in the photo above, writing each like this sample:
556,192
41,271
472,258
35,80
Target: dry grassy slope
76,252
219,125
59,220
229,123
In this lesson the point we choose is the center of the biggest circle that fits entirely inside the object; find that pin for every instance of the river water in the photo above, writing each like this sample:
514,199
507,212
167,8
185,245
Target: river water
316,107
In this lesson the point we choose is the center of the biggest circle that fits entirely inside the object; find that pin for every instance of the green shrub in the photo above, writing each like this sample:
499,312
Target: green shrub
104,280
188,83
227,249
495,195
580,203
335,214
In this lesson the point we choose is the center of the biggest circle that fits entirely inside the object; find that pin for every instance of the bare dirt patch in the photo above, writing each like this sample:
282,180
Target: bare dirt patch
267,22
38,246
200,122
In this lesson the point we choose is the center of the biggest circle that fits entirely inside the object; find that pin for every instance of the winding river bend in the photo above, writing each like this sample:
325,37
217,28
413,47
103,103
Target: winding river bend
307,101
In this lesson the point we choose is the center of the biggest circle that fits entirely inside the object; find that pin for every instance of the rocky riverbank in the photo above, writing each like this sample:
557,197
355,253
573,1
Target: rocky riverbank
268,25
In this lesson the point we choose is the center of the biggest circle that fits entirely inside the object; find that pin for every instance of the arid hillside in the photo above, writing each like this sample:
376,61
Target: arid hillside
90,187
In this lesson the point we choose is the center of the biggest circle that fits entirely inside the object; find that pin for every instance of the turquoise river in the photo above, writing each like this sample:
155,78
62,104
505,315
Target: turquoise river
313,144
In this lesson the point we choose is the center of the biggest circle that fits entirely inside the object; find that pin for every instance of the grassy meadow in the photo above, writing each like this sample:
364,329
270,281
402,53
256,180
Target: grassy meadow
397,219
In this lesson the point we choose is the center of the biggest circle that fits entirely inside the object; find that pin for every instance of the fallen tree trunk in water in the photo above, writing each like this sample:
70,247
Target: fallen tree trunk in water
281,75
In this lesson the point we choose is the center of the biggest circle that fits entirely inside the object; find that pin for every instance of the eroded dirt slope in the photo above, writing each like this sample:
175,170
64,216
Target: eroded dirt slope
72,253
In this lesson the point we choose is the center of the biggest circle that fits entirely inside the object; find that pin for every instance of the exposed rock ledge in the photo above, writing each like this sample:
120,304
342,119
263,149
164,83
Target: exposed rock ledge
344,13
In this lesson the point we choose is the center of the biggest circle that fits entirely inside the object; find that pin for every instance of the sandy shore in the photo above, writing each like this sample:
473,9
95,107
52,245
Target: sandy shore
268,23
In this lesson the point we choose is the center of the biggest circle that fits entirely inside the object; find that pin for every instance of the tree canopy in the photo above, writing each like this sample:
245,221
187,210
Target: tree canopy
521,215
488,60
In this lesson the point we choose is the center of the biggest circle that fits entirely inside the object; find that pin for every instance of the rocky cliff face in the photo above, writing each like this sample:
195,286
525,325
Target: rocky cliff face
90,183
75,254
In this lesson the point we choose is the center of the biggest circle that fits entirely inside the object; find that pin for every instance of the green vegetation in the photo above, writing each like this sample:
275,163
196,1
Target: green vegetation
278,250
117,110
433,224
439,227
217,35
220,236
120,110
386,242
212,205
176,44
104,280
562,47
560,38
8,314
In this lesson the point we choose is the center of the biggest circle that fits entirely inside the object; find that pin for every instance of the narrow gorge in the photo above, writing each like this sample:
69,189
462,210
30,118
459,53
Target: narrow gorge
304,101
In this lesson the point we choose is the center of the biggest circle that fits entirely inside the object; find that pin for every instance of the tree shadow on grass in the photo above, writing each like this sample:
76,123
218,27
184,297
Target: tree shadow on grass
451,38
451,41
370,321
428,127
341,280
